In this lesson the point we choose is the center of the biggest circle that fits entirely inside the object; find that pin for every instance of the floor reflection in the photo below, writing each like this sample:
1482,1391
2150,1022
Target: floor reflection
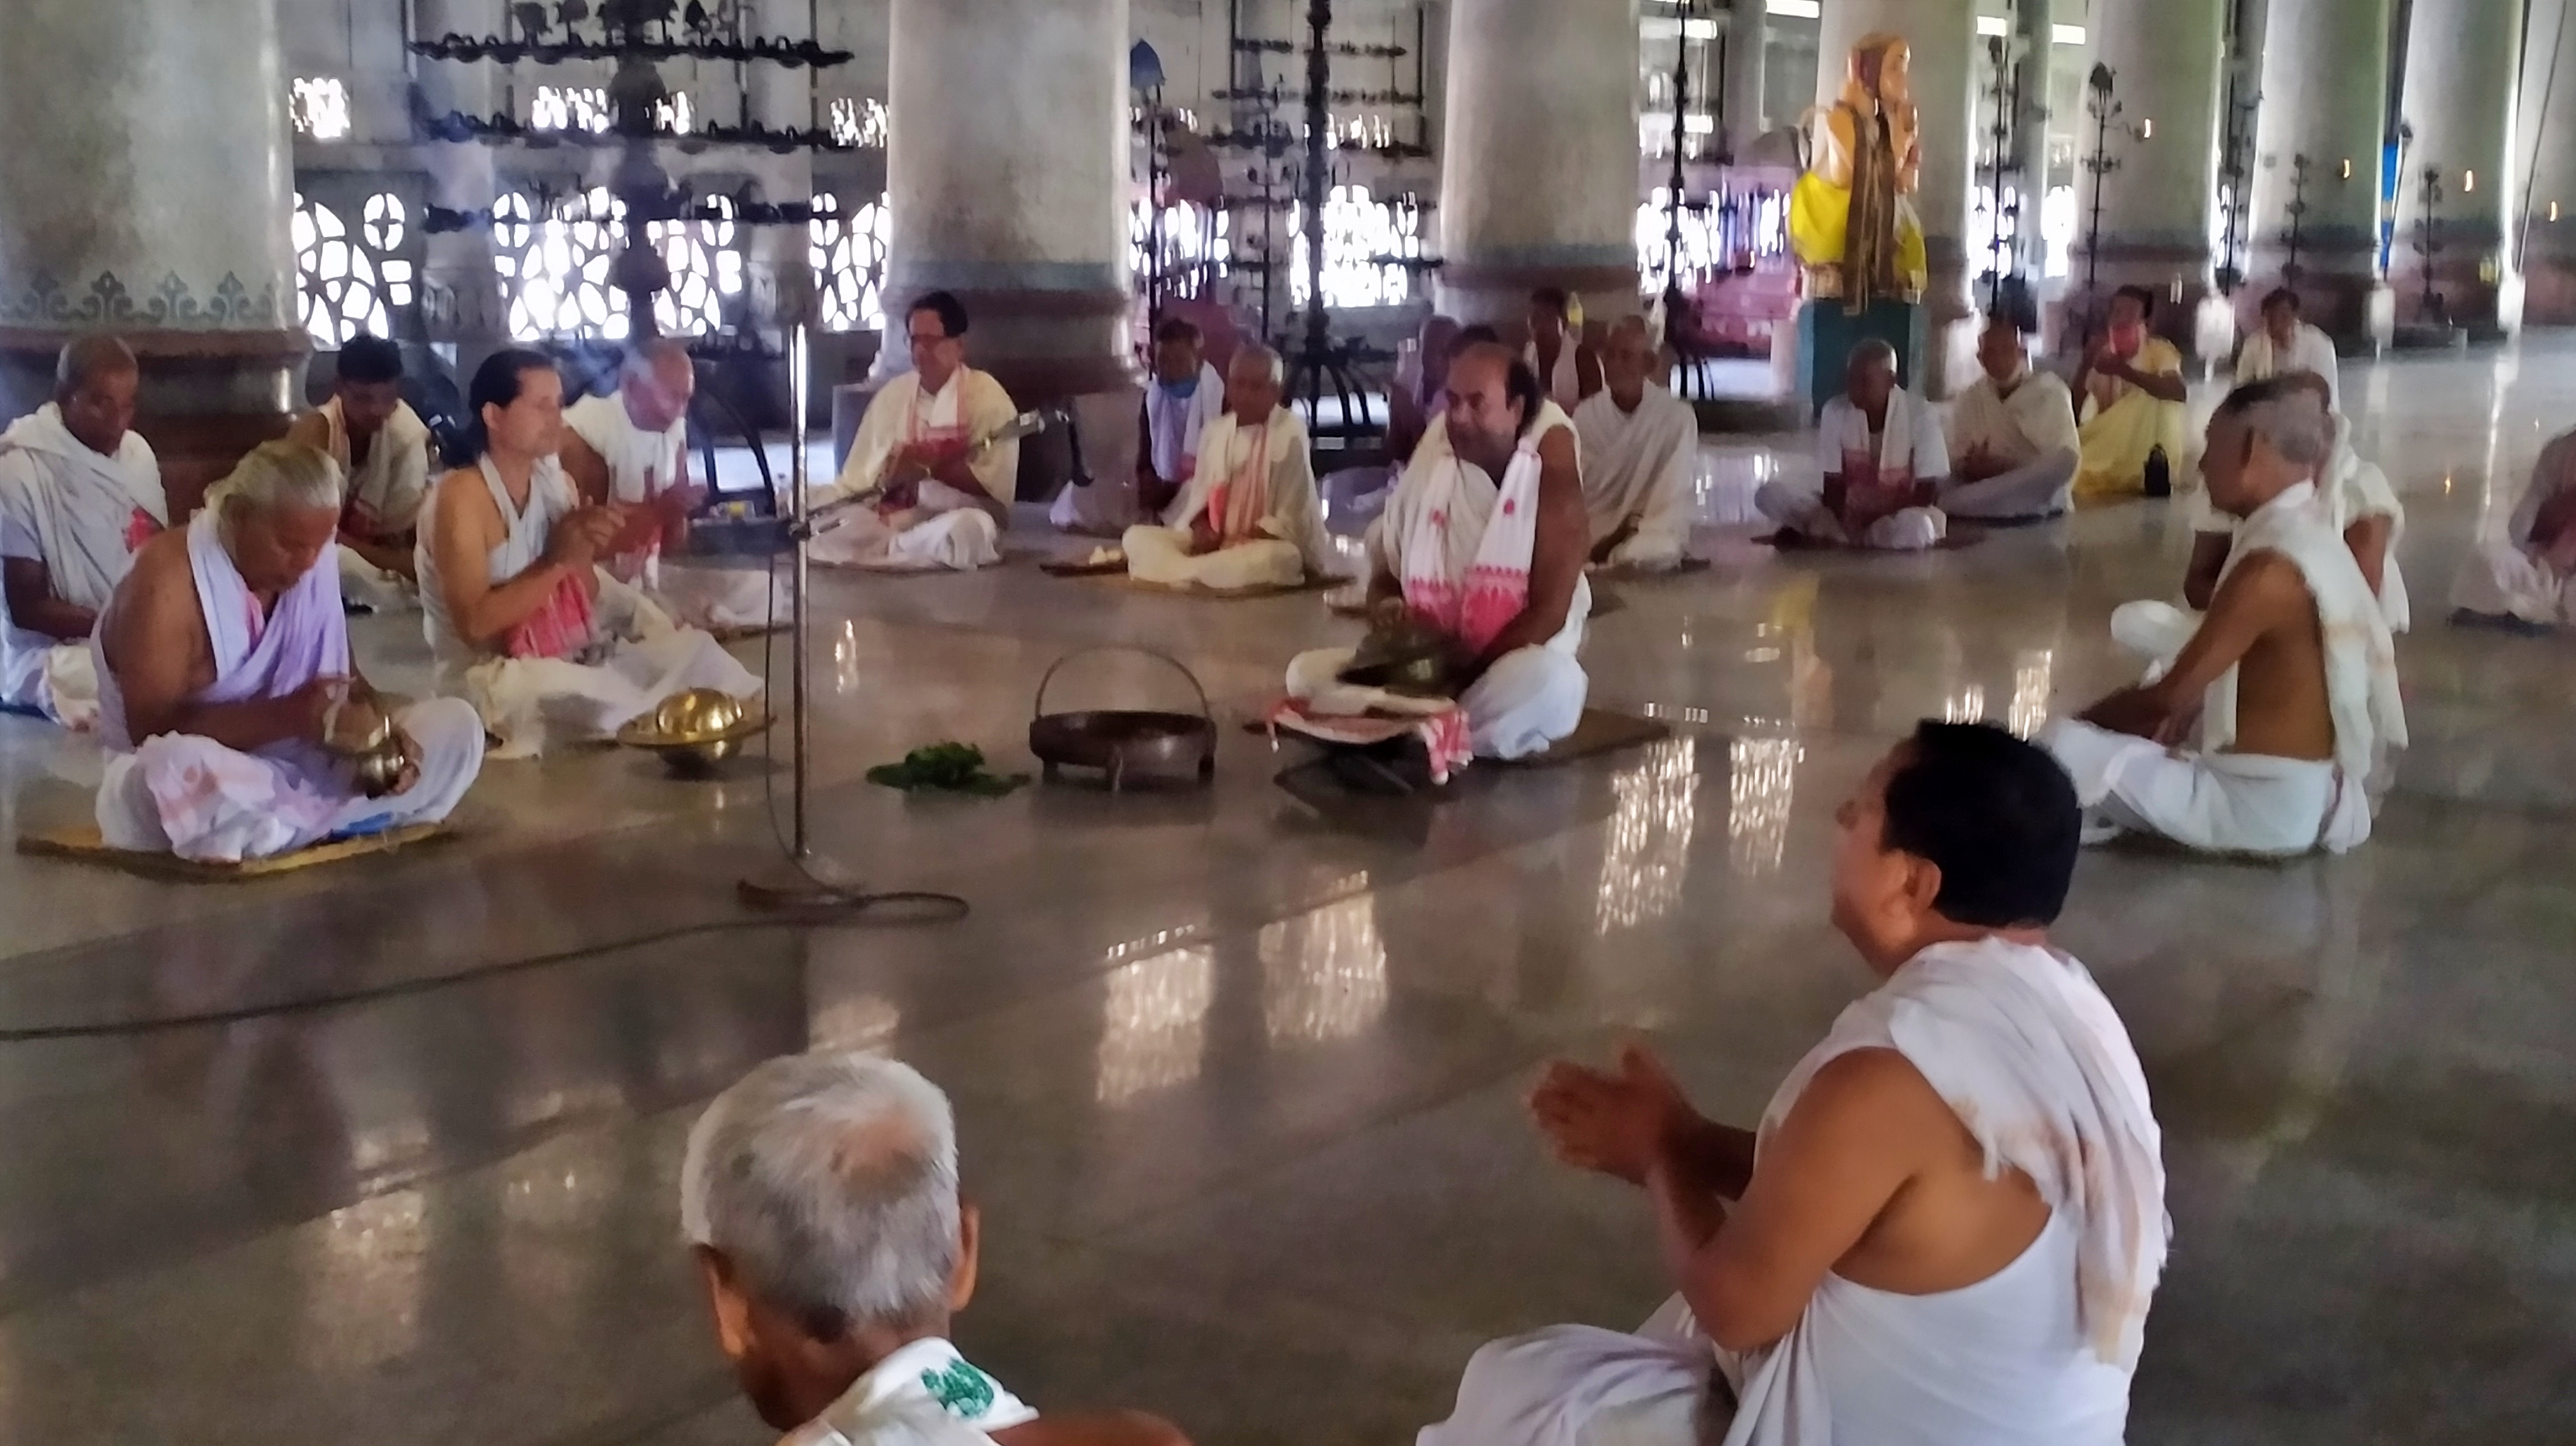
1154,1024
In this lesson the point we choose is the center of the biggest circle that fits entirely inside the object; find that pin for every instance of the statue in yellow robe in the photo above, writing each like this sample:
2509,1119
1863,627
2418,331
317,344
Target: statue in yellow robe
1849,219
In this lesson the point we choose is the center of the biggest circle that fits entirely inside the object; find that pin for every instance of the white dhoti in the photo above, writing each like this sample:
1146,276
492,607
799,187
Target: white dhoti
1529,700
2501,580
193,797
2041,487
531,703
370,588
1666,1385
722,598
2229,803
1911,530
1162,555
960,541
60,683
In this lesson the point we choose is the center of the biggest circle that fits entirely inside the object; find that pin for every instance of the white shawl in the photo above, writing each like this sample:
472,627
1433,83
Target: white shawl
88,512
2357,490
2021,1044
2036,419
1459,543
925,1394
1637,465
2259,360
972,405
385,495
1174,424
1267,476
1563,384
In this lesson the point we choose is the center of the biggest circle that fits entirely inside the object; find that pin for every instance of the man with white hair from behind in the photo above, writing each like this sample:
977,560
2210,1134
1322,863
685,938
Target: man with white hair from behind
820,1196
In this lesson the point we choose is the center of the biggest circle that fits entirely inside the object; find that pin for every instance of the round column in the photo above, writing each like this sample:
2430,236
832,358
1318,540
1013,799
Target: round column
1538,182
1006,175
1940,34
2323,98
149,194
461,289
2168,67
1748,26
2548,233
2461,58
2035,29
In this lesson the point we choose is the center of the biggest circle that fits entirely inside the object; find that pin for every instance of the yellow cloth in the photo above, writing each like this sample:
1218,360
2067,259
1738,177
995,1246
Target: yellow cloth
2121,425
1819,220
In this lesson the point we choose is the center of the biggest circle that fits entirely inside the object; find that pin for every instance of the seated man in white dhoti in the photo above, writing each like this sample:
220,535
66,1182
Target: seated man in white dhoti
1640,448
383,447
79,492
1567,368
2013,443
1497,565
2288,344
2527,576
819,1197
1951,1221
224,673
2272,727
631,447
1249,517
522,623
938,483
1181,398
1884,463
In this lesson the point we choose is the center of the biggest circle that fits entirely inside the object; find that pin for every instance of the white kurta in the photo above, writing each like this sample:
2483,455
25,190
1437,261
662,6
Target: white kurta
1885,464
2259,360
385,496
2032,432
642,466
1173,425
925,1394
189,795
947,529
636,657
2033,1059
82,515
2231,802
1637,469
1271,522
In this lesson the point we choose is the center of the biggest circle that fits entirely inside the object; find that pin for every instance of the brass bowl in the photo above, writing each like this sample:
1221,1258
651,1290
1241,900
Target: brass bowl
362,733
1405,657
694,731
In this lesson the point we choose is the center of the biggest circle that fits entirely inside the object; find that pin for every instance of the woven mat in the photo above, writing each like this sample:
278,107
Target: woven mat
1684,568
1959,535
82,844
1600,732
1119,579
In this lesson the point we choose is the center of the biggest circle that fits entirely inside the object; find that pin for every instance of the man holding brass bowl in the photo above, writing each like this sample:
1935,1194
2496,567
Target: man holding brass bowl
236,725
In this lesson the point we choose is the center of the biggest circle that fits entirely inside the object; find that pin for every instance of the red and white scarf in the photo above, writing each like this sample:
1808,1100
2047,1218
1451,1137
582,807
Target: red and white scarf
1467,543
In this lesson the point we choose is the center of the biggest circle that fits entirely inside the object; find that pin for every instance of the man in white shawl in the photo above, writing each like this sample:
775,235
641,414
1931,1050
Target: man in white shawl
1950,1224
1884,461
2272,728
1497,566
931,460
2527,577
383,450
521,620
2012,435
2288,344
225,677
1640,445
631,447
79,492
1249,516
1183,396
819,1198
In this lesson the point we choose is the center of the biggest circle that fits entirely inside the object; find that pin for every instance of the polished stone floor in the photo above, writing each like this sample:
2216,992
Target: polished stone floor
385,1152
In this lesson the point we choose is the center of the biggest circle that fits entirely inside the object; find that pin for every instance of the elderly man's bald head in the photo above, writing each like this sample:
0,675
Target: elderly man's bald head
1628,359
657,382
1255,377
96,380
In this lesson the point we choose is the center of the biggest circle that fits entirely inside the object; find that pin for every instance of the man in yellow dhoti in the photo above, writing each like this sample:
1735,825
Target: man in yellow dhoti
2131,411
1249,516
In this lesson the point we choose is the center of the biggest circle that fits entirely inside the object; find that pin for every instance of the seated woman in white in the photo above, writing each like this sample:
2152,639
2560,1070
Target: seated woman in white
1249,516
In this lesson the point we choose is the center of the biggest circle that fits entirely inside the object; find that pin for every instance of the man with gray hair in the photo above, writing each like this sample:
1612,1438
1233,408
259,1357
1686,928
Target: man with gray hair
1881,450
1249,516
236,724
2272,728
79,492
819,1195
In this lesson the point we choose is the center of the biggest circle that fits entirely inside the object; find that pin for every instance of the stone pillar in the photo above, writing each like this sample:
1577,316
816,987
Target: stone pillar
461,290
1942,34
148,192
2035,29
1007,179
2325,98
2167,60
2461,58
2547,233
1538,179
778,260
1747,30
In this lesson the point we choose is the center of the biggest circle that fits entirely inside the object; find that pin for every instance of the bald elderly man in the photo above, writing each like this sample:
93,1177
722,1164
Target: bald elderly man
1884,461
1640,445
1249,516
79,493
630,447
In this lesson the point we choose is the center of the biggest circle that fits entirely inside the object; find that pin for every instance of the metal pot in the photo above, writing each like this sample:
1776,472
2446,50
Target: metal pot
1126,743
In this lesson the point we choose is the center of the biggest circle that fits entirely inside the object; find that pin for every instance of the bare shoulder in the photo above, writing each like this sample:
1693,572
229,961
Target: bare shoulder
162,559
1557,450
2265,582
